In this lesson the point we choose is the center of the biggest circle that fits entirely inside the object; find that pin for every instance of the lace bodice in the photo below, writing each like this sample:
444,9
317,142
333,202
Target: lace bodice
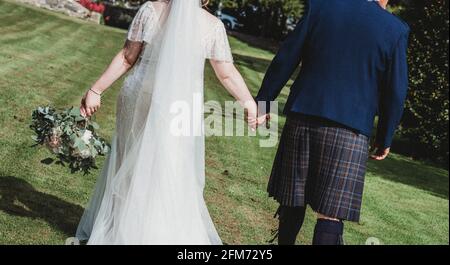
142,48
146,25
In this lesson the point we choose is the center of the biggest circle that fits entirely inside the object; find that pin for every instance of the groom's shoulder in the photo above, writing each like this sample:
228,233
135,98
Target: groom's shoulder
318,4
312,8
399,24
393,23
314,5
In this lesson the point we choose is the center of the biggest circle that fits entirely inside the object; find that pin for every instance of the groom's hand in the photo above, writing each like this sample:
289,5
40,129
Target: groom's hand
378,153
263,119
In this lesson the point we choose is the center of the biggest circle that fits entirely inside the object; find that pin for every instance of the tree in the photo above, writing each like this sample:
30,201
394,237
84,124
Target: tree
425,123
264,18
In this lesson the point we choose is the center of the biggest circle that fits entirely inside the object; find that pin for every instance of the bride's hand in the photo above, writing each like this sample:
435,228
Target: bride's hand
251,115
90,103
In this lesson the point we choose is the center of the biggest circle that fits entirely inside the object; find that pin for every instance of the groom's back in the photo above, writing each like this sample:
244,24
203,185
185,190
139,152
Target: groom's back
347,30
345,56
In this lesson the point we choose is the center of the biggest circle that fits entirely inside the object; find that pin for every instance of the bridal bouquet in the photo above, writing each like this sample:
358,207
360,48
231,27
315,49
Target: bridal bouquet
69,136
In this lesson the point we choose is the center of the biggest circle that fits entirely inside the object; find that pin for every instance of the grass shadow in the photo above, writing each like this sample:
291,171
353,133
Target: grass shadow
259,65
256,42
20,198
412,173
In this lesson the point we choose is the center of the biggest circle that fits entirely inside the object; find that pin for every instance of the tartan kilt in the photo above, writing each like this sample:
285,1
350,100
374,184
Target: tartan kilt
320,163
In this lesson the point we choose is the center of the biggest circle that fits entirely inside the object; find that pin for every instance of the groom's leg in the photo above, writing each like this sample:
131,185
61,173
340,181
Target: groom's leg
291,220
328,231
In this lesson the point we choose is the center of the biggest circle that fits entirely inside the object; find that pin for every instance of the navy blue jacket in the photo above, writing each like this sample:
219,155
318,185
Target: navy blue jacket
353,66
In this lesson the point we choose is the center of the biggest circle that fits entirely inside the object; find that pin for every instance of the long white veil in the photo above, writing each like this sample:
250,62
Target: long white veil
153,192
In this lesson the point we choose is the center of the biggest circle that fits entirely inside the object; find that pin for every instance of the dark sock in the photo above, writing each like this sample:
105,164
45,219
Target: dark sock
291,220
328,232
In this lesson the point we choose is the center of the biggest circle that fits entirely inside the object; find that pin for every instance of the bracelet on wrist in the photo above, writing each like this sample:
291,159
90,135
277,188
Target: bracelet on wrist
95,92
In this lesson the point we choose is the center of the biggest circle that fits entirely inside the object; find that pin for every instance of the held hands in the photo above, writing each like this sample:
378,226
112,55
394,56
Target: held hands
254,121
90,103
252,118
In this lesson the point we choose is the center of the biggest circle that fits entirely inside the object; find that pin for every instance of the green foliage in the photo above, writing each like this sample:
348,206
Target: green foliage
69,136
289,7
425,123
265,18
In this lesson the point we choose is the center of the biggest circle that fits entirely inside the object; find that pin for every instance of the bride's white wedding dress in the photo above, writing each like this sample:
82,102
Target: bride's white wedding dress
150,190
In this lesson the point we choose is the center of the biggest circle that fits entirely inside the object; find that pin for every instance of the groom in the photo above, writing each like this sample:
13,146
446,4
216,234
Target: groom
353,68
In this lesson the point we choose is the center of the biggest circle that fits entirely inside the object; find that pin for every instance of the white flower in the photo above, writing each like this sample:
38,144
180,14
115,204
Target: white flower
86,136
86,153
55,150
56,131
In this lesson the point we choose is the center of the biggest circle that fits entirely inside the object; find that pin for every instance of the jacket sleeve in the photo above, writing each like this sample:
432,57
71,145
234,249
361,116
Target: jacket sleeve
285,62
393,94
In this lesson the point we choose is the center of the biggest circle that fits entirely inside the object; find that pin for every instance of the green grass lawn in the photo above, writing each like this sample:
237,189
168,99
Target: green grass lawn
47,58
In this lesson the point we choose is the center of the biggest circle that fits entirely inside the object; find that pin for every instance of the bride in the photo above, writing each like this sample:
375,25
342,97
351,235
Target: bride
150,190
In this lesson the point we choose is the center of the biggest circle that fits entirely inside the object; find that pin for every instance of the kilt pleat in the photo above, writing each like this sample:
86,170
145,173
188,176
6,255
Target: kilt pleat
321,164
